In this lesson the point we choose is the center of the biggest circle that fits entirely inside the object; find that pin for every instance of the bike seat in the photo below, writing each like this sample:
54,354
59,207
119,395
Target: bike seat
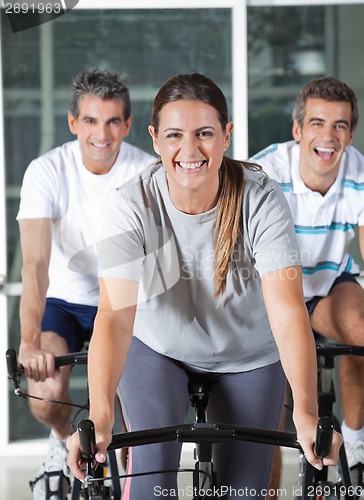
199,385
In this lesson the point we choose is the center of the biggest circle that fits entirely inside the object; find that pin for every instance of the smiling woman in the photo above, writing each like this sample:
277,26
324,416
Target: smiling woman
163,314
190,139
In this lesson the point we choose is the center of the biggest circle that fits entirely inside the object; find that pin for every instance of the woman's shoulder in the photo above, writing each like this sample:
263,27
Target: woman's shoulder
255,177
141,189
144,179
260,188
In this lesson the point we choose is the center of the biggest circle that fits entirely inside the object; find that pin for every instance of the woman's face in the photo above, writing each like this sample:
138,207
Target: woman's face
191,144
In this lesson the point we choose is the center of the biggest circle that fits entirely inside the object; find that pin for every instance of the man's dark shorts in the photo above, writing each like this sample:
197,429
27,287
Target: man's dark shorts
73,322
344,277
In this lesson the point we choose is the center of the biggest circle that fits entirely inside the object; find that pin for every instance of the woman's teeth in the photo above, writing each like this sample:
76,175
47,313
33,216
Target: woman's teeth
191,166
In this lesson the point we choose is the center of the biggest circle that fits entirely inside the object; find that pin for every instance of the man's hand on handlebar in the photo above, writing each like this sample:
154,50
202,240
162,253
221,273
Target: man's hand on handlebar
38,364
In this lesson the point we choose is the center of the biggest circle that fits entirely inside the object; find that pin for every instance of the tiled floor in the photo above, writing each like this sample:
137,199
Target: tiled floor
15,474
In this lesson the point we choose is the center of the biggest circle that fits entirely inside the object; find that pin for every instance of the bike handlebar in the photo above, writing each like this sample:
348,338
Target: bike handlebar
324,433
80,358
197,432
12,364
204,433
86,433
15,369
332,350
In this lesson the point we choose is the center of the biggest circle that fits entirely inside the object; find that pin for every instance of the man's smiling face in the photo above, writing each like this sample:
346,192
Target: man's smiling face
100,128
323,137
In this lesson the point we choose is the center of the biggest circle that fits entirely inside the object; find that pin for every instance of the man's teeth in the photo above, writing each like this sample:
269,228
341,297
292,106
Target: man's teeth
191,165
100,145
325,150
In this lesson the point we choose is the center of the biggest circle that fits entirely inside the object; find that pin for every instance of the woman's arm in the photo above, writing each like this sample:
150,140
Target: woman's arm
290,323
108,349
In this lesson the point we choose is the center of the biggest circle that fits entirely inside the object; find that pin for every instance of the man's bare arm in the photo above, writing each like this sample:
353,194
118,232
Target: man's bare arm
35,238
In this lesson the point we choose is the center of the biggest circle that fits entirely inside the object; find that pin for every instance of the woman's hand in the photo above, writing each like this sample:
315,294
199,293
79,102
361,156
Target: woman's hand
333,457
76,463
306,434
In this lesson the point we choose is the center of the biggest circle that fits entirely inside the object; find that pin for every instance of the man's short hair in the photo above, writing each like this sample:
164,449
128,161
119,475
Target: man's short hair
100,84
330,89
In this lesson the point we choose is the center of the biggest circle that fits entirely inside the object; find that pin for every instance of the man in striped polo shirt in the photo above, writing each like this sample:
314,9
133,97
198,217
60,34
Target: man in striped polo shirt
322,176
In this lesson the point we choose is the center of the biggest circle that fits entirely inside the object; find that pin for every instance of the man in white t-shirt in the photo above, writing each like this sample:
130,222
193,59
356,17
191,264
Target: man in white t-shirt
322,176
60,213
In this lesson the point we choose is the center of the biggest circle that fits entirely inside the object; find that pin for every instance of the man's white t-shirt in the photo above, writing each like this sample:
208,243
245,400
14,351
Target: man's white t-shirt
58,186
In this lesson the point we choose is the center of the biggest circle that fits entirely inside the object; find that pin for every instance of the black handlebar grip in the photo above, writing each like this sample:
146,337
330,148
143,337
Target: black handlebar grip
86,433
325,430
12,364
